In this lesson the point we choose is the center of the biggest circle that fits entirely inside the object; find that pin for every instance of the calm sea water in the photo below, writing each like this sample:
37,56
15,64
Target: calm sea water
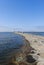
9,44
36,33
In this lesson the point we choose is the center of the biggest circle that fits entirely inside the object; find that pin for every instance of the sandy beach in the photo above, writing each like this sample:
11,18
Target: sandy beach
37,43
31,53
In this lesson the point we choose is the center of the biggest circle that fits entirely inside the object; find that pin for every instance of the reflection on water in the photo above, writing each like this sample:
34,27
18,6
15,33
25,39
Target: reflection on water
10,43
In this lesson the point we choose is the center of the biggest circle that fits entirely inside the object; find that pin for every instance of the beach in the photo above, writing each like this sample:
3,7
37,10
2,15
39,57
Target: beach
30,53
37,43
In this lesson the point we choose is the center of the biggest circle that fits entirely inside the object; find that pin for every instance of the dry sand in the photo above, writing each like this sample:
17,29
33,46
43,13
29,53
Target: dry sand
36,42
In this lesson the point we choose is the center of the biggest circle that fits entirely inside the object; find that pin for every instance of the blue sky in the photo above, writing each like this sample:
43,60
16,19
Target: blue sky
26,15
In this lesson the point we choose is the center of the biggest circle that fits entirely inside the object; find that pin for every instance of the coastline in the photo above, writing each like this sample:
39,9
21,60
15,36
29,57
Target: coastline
31,53
23,57
37,43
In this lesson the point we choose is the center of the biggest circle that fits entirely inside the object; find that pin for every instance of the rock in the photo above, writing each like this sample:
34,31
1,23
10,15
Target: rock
38,54
30,59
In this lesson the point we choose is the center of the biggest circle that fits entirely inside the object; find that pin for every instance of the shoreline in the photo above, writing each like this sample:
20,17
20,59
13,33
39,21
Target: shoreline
36,42
24,56
31,53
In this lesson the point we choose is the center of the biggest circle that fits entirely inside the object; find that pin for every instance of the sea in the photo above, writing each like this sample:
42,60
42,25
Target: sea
36,33
10,43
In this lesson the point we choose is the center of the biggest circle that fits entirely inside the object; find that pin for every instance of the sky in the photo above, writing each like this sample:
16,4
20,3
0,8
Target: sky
23,15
